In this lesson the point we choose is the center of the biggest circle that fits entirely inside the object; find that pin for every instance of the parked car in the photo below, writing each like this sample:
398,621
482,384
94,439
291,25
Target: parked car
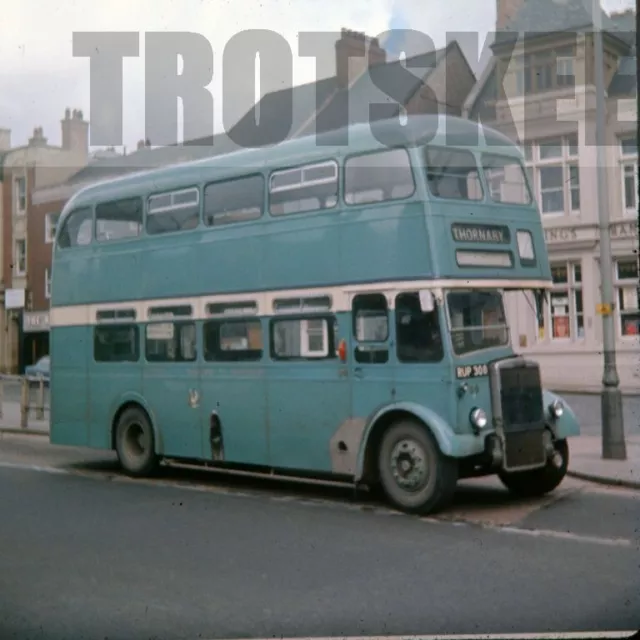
38,370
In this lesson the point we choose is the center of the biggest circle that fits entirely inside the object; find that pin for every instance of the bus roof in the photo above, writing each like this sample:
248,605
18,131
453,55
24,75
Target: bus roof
356,138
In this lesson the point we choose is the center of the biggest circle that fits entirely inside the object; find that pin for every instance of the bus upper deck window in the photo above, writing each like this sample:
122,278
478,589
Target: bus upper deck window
453,174
118,219
506,179
378,176
303,189
234,200
76,229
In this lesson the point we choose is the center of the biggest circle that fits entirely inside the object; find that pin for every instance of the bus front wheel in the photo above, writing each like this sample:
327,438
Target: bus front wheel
538,482
135,443
416,477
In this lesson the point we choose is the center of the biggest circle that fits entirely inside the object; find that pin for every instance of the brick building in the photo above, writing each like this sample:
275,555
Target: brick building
23,170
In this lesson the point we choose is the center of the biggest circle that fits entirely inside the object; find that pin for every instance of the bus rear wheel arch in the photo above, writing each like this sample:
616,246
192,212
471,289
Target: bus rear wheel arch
414,474
134,441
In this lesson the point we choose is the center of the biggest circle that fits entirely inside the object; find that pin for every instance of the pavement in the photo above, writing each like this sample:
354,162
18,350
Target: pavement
586,462
197,554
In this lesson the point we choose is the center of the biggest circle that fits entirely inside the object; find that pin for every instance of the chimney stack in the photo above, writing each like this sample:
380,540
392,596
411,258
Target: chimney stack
38,139
355,53
506,11
5,139
75,133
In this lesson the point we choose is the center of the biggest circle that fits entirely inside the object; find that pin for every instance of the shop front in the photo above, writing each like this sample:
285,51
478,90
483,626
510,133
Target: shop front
35,336
567,340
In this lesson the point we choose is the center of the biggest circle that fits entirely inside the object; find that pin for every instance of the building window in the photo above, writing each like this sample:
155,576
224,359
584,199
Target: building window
565,68
50,226
544,70
626,283
20,258
20,199
553,168
47,284
566,309
629,169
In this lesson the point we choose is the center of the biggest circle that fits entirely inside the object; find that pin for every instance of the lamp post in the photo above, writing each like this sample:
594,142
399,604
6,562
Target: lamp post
613,443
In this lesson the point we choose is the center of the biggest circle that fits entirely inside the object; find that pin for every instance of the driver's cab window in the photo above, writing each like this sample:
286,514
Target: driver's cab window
371,328
418,334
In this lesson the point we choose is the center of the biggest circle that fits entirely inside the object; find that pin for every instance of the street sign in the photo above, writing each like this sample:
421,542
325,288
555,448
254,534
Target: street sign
603,309
14,299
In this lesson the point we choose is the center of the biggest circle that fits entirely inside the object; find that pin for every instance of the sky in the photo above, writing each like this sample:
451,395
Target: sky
40,77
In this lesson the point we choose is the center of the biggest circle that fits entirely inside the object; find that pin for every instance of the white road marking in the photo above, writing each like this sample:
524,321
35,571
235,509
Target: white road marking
565,535
33,467
319,502
591,635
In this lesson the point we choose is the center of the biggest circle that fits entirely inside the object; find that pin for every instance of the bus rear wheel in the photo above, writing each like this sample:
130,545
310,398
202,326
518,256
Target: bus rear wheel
415,476
538,482
135,443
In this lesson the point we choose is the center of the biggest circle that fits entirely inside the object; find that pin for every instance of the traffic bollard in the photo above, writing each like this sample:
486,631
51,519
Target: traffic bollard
24,404
40,405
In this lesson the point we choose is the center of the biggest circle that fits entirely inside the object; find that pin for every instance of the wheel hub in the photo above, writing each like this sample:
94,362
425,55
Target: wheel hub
409,465
135,441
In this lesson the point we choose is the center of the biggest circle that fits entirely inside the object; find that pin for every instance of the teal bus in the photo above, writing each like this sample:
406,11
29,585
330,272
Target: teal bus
313,309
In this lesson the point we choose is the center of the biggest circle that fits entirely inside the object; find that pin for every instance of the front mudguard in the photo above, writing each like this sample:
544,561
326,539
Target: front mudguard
567,424
450,443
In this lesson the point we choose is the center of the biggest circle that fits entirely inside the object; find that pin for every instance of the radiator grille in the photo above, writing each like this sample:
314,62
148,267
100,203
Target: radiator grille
521,397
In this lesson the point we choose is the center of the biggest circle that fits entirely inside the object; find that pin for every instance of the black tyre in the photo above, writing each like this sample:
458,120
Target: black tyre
538,482
135,443
416,477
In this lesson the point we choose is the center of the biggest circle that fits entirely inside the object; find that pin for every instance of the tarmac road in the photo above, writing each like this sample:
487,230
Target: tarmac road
88,554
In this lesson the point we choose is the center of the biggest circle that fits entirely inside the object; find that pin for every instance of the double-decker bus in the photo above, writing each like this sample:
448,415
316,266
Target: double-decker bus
312,309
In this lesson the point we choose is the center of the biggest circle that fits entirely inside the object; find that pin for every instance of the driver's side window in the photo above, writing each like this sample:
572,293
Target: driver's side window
418,335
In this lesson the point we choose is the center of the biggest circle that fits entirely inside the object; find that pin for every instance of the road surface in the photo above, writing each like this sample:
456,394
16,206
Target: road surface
89,554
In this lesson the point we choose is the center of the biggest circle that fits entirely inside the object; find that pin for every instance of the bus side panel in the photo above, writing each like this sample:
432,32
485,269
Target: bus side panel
227,258
116,272
70,348
109,382
384,242
236,392
307,403
160,276
311,242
